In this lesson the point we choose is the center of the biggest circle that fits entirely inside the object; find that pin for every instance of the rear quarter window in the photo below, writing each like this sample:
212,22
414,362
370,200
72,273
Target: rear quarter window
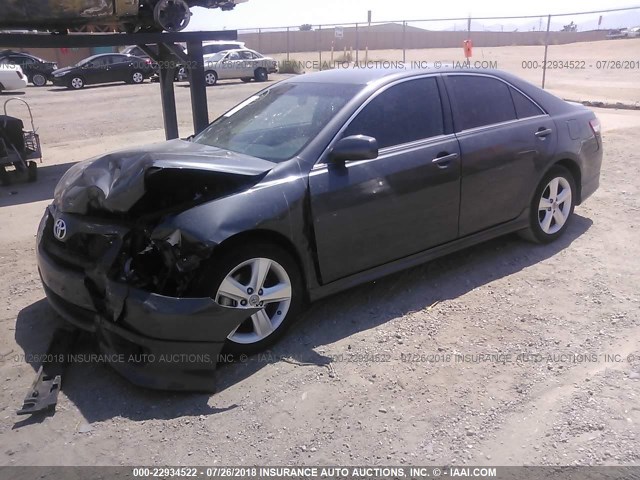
479,101
525,108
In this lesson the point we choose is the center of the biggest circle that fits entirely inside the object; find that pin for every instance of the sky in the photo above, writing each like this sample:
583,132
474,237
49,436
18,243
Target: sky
279,13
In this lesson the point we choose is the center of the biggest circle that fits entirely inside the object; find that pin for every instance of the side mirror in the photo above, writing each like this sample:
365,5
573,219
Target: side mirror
355,147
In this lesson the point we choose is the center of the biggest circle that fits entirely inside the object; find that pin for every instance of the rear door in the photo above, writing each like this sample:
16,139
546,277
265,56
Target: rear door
367,213
504,139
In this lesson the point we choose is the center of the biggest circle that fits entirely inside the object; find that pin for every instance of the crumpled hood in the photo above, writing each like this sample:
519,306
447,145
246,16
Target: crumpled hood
116,181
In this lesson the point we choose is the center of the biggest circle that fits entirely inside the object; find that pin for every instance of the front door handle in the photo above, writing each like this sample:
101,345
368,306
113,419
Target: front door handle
445,159
543,132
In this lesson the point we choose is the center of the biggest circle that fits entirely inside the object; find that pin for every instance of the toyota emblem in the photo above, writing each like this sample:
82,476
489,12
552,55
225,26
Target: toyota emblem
60,229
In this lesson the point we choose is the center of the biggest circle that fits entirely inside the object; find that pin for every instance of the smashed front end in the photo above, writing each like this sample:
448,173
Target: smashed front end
112,263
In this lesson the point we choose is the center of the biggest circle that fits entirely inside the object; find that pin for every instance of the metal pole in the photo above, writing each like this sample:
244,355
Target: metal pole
199,108
320,44
546,51
357,44
288,49
404,42
167,93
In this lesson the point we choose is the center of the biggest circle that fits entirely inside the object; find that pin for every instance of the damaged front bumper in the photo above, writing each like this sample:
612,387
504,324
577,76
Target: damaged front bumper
153,340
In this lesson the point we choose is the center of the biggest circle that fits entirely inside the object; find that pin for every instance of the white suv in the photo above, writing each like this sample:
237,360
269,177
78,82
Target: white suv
12,78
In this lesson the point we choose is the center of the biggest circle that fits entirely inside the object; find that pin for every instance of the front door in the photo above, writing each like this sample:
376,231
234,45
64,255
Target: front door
367,213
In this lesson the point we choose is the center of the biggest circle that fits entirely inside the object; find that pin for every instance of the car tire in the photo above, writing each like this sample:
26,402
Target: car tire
246,79
210,78
552,206
32,171
5,178
76,83
261,75
39,80
238,263
137,78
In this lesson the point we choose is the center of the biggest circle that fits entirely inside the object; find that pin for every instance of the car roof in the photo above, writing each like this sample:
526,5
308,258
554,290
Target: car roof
100,55
377,77
221,42
364,76
24,54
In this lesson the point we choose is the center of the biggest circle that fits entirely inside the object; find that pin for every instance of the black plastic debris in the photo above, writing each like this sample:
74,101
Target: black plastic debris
43,393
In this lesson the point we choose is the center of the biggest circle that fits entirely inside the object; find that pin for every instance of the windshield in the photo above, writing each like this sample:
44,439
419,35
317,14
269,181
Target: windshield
278,123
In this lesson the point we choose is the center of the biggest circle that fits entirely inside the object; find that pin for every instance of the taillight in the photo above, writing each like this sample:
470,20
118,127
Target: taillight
595,126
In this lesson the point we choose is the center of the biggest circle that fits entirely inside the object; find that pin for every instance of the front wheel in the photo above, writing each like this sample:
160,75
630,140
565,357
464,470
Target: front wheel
76,83
257,275
210,78
552,206
39,80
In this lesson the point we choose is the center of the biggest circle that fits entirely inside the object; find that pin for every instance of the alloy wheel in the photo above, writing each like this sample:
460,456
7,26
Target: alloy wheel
258,282
555,205
39,80
210,78
77,83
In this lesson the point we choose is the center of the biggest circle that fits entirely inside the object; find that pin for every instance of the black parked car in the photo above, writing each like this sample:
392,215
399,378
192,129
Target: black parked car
312,186
104,68
37,70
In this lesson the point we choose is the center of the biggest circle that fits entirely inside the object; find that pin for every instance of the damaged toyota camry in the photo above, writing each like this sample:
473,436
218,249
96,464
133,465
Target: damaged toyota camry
311,186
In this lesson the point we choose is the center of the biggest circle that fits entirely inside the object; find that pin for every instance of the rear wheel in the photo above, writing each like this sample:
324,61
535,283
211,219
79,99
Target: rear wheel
210,78
552,206
257,275
39,80
261,75
137,78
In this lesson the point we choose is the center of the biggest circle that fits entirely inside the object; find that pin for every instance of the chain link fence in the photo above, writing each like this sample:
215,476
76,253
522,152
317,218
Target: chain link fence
571,53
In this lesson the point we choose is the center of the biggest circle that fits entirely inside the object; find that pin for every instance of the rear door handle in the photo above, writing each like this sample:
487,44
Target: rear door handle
445,160
543,132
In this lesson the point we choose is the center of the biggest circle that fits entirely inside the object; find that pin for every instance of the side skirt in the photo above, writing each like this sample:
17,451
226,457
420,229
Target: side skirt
332,288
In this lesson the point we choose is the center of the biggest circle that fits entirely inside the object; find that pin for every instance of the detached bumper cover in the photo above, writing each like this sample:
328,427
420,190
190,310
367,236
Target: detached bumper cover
154,341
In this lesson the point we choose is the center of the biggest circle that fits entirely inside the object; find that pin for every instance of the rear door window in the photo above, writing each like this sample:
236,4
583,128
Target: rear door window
404,113
479,101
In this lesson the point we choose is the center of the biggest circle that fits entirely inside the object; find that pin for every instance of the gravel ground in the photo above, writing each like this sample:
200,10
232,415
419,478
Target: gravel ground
506,353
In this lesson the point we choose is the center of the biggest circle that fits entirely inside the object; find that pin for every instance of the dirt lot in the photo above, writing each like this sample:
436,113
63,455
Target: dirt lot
563,319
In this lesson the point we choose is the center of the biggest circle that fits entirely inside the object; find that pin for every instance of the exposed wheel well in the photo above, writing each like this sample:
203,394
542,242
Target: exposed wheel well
573,167
265,236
